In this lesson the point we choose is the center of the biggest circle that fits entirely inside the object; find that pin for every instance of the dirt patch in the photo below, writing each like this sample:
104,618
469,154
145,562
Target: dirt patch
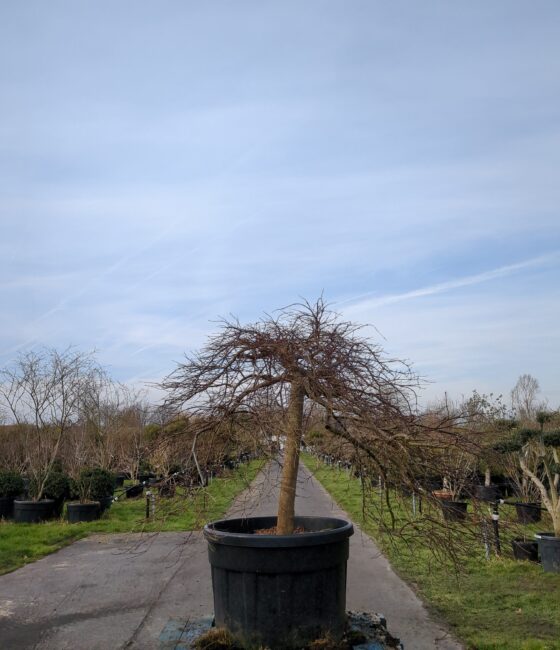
273,531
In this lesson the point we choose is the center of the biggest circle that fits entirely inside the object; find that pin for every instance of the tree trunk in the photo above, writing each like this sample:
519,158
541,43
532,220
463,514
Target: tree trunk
286,502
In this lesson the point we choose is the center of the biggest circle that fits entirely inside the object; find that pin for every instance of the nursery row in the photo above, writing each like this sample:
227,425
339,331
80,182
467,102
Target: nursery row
491,602
189,509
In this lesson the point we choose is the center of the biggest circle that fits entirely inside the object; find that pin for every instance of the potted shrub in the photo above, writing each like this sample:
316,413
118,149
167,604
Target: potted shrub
458,468
102,483
94,490
487,415
527,498
57,488
11,486
46,496
542,446
292,570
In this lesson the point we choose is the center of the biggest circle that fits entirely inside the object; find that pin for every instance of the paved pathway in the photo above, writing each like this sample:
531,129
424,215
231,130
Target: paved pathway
123,591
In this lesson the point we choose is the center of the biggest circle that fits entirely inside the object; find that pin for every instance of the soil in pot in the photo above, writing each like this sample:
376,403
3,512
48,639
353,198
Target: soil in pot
528,513
443,495
549,551
293,586
33,512
78,512
525,550
453,510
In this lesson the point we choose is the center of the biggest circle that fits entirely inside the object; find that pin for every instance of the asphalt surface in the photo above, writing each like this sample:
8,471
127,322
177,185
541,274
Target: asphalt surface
130,591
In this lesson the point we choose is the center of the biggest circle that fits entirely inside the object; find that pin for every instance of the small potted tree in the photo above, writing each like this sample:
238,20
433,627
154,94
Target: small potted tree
526,493
487,415
83,507
458,467
303,355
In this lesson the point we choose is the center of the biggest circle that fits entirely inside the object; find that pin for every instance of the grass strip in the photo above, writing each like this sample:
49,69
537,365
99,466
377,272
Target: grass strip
499,604
189,510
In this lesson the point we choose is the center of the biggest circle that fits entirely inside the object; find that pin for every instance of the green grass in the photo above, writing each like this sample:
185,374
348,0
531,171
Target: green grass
500,604
24,543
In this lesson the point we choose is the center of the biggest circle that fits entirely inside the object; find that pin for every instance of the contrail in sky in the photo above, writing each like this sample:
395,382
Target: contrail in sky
479,278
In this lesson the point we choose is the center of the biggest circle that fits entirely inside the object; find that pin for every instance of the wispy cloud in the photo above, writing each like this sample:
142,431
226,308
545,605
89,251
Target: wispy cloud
366,301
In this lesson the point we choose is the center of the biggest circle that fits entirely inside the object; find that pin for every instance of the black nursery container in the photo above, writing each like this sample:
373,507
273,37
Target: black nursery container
453,510
486,492
134,491
549,550
78,512
279,591
105,503
120,479
528,513
524,550
33,512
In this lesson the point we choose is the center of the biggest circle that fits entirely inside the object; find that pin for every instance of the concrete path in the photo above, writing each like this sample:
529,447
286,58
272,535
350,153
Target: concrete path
129,591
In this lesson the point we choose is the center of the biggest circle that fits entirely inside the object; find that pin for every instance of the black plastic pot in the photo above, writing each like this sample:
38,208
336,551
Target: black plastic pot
105,503
58,507
279,591
119,479
528,513
486,492
453,510
549,551
134,491
32,512
6,507
524,550
78,512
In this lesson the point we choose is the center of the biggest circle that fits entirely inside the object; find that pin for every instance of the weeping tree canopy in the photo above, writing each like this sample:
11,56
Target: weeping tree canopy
271,373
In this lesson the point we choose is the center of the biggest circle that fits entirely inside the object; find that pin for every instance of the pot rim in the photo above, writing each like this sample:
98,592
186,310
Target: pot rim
341,529
31,501
547,535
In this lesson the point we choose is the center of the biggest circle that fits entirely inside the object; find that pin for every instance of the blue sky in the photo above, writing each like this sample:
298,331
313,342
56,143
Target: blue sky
162,164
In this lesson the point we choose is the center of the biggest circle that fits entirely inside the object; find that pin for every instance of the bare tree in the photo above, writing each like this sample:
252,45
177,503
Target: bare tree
306,354
41,391
524,397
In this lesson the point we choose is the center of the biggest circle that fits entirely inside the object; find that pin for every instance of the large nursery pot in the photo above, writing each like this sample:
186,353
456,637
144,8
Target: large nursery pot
279,591
453,510
528,513
120,479
549,550
525,550
134,491
486,492
105,503
33,512
78,512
